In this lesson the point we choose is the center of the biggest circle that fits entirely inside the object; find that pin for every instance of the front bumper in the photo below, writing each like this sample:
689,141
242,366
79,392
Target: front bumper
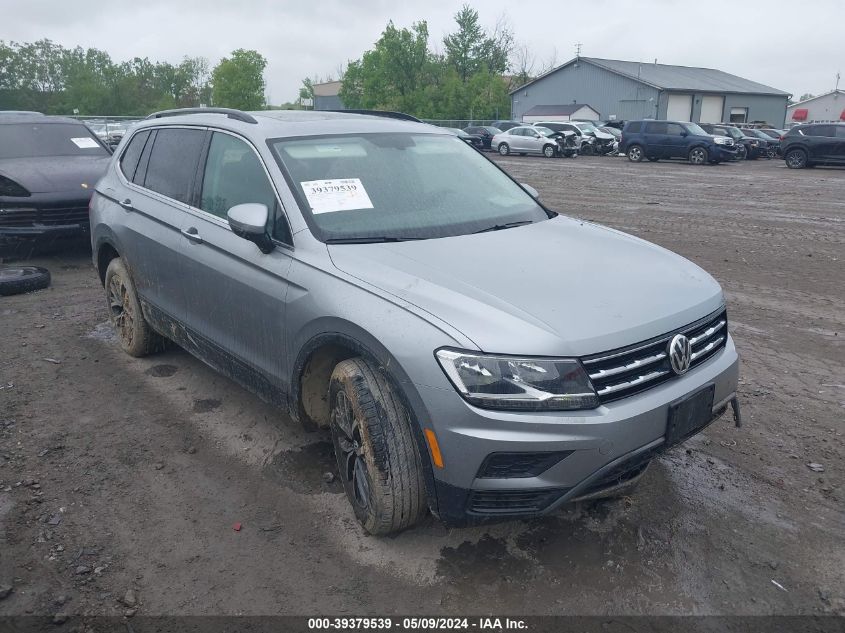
599,448
723,152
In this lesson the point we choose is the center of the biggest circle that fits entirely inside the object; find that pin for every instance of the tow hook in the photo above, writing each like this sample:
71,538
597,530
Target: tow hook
737,414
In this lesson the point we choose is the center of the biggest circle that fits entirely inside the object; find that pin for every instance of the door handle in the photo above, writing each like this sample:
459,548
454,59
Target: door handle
127,204
192,235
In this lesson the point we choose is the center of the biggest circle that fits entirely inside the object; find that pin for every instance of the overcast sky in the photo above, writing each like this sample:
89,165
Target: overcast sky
796,47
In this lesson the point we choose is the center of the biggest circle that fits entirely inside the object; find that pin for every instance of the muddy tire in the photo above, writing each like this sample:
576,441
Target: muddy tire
15,280
134,334
377,455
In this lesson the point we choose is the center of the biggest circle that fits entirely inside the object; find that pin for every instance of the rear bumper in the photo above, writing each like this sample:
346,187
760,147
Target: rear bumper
595,450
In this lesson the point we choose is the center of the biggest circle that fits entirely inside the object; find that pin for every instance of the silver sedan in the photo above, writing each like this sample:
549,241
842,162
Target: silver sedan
526,139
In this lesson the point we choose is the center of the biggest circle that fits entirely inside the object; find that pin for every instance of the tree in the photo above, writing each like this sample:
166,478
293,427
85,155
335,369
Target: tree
805,96
393,75
238,81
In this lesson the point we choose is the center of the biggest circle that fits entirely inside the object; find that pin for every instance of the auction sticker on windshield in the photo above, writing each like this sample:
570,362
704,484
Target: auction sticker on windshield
339,194
85,142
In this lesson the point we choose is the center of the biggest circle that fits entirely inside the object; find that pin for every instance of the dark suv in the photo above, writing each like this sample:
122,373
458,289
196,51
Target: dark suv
749,147
674,139
816,144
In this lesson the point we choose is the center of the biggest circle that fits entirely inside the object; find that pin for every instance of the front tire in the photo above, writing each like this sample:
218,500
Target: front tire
549,151
504,149
698,156
635,153
134,334
796,159
377,455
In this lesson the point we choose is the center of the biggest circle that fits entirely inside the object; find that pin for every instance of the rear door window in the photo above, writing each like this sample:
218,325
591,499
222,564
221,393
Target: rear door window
173,162
132,154
656,127
821,130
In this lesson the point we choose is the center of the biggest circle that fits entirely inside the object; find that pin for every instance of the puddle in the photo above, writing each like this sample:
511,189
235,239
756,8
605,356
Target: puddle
162,371
206,405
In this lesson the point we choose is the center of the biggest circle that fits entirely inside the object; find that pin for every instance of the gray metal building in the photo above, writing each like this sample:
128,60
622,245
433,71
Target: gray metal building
632,90
327,97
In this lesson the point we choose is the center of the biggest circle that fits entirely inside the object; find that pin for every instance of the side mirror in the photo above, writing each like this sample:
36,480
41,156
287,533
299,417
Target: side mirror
536,136
531,191
249,221
685,133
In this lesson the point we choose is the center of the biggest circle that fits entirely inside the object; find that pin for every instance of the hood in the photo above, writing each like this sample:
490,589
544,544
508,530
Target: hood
55,173
605,136
560,287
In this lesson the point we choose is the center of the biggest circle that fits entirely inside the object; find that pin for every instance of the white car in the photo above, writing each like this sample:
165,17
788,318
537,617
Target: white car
525,139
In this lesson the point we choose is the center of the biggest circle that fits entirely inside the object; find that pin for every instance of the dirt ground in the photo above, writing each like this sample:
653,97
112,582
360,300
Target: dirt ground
120,473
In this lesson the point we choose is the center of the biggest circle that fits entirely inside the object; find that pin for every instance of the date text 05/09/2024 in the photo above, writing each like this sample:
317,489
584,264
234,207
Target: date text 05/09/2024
417,624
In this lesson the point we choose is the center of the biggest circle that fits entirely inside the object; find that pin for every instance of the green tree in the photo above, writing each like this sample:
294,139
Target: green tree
238,81
392,75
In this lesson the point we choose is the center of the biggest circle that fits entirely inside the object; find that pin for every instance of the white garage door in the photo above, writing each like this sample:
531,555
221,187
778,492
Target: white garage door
680,108
711,109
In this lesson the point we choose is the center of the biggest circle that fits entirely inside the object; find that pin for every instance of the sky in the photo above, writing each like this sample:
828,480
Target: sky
755,39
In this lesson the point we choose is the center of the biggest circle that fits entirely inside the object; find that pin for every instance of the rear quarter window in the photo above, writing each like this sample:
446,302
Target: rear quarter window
634,128
173,162
132,154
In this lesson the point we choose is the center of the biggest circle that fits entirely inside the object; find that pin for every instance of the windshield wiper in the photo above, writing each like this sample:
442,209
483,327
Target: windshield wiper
507,225
370,239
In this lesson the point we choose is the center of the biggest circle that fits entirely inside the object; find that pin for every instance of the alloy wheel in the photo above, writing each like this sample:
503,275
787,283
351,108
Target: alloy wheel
351,458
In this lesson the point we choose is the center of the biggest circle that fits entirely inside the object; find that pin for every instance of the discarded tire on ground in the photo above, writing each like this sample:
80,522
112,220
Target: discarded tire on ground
15,280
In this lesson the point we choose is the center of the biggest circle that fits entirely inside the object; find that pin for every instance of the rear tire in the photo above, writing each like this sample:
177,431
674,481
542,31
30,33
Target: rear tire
635,153
134,334
377,455
504,149
653,159
796,159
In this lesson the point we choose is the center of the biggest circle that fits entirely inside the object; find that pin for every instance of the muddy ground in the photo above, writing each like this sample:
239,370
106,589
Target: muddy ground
119,473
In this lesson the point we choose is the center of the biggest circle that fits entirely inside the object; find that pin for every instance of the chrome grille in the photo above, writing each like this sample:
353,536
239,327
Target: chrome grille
623,372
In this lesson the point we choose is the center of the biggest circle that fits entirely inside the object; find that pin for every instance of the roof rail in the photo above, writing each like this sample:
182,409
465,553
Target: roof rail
385,113
237,115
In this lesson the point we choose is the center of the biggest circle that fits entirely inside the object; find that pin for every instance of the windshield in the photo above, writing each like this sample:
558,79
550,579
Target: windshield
586,127
400,186
695,129
30,140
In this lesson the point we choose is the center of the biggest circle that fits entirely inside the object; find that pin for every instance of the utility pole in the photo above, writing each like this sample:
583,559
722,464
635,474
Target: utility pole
837,82
578,50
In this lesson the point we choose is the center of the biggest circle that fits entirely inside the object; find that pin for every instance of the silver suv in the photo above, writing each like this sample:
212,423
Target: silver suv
470,351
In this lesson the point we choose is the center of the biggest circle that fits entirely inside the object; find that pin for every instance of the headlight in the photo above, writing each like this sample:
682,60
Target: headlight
755,143
510,382
721,140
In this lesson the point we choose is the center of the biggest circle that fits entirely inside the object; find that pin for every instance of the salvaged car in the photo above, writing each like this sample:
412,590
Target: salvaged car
470,351
48,169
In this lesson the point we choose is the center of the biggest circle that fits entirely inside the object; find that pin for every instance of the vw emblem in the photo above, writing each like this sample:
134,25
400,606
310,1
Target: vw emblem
680,353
